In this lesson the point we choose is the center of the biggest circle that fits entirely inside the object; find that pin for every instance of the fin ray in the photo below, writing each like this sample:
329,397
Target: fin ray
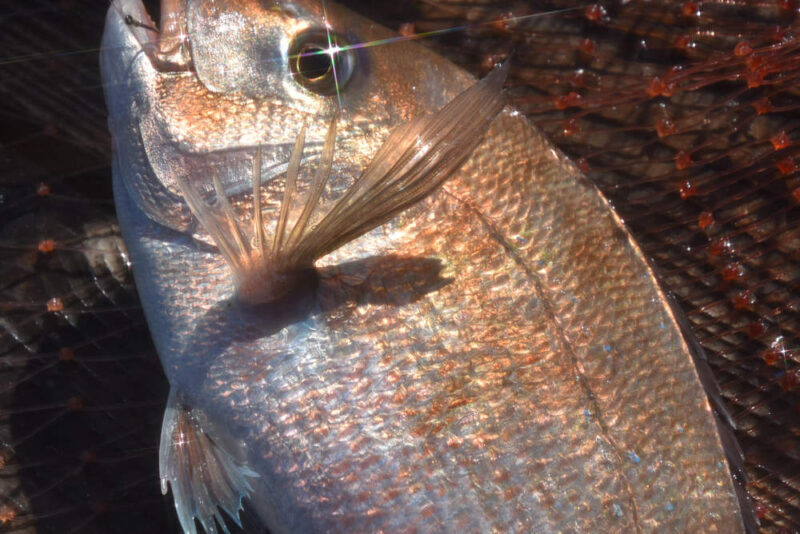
220,227
227,210
317,186
288,191
205,477
258,223
411,164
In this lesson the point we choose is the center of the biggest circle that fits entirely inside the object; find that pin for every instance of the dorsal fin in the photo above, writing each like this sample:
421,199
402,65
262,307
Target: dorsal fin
205,477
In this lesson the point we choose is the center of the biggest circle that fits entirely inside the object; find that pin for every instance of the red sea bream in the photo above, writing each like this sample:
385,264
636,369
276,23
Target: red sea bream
383,300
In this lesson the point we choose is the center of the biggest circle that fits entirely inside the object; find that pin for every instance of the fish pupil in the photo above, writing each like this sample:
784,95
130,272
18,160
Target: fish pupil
314,63
320,60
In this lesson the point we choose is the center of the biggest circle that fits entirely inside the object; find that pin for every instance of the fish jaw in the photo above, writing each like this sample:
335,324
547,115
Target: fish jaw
128,78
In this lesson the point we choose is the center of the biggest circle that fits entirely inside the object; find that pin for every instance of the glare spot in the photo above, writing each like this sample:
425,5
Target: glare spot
181,441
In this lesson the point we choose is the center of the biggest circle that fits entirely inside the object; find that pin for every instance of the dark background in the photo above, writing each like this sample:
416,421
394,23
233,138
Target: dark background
685,114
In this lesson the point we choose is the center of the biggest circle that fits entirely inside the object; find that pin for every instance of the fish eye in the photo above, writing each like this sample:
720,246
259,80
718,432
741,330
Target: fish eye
320,61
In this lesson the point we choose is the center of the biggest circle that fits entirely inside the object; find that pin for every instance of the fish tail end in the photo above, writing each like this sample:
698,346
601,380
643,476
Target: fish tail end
205,477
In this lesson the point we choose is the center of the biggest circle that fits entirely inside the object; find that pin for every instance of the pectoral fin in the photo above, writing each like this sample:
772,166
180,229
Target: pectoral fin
412,163
205,477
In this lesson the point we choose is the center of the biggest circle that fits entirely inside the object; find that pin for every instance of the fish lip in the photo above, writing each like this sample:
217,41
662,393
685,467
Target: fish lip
144,33
124,46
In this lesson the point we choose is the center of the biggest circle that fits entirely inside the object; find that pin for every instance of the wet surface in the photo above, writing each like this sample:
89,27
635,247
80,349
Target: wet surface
700,161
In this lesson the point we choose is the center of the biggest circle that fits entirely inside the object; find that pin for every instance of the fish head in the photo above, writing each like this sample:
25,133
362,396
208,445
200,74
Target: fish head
226,87
312,57
256,72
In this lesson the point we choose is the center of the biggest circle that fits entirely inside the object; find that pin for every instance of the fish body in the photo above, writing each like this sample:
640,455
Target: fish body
498,356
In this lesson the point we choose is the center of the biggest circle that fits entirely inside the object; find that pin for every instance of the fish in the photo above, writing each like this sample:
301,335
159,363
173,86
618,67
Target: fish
351,346
115,373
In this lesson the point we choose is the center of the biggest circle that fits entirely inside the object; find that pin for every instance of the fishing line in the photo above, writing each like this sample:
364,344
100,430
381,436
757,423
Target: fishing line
332,47
444,31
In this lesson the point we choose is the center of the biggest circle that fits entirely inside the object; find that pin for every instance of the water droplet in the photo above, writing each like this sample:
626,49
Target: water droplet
790,379
732,271
66,354
669,89
587,46
762,106
755,78
571,127
407,29
655,87
705,220
596,13
687,189
683,42
505,22
682,160
490,60
690,9
742,49
569,100
786,166
7,514
719,247
74,404
743,299
780,141
756,329
754,63
665,127
771,356
43,189
46,246
55,305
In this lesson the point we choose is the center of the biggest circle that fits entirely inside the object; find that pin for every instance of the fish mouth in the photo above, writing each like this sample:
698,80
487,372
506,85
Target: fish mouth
167,46
132,16
129,32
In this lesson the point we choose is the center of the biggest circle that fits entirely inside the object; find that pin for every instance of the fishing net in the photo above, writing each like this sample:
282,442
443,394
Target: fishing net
684,113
